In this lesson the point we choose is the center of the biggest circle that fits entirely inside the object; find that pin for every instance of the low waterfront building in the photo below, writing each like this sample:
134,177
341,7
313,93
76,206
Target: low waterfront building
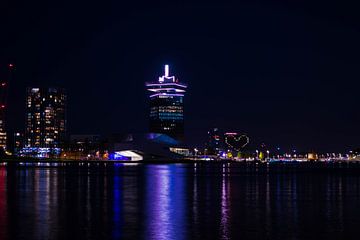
312,156
144,147
84,146
181,151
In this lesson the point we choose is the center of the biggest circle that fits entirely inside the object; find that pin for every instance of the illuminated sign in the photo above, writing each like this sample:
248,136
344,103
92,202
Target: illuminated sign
236,141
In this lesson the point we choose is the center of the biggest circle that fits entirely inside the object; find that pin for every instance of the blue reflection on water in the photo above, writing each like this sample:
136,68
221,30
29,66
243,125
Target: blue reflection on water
117,203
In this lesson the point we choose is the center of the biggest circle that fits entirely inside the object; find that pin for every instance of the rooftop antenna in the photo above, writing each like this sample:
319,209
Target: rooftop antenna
166,70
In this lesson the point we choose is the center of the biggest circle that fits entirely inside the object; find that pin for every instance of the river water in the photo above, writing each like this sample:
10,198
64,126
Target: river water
176,201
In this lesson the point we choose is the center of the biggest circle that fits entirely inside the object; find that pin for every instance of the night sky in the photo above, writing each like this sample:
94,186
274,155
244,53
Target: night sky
287,74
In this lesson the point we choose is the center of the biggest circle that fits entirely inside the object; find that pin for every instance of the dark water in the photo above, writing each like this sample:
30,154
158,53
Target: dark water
176,201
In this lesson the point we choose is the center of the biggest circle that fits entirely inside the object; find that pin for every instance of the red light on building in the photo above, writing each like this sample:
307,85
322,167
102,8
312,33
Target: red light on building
11,65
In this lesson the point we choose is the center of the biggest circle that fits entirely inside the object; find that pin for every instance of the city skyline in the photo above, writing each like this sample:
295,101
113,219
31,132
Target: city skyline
169,120
253,70
46,136
158,89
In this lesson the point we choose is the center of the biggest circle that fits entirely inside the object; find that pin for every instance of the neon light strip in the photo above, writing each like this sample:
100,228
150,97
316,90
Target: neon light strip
162,79
167,94
165,84
236,139
165,89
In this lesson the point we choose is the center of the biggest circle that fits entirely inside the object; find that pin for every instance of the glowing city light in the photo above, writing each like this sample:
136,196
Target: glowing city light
232,139
165,84
167,95
166,78
165,89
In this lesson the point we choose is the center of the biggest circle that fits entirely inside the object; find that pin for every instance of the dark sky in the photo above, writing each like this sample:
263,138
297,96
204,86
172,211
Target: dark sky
287,74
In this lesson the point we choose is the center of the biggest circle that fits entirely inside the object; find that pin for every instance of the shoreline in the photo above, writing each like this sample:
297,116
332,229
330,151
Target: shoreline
225,165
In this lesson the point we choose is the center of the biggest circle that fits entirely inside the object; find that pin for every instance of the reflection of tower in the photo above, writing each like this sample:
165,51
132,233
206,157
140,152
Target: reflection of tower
4,86
165,206
167,106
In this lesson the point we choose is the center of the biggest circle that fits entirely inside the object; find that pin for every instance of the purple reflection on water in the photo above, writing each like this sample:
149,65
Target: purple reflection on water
164,203
158,215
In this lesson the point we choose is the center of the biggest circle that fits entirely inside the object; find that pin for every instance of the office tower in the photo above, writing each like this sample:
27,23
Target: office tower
213,143
167,106
45,119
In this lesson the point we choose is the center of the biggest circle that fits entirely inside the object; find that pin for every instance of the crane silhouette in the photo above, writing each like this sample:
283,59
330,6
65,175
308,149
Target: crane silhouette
4,89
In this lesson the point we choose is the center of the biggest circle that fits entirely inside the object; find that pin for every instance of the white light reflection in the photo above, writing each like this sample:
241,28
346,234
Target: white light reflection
195,197
225,203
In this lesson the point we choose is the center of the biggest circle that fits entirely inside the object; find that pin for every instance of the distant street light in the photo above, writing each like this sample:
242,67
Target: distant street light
196,151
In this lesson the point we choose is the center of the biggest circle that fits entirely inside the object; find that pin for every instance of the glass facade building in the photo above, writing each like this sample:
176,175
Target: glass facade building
46,118
167,106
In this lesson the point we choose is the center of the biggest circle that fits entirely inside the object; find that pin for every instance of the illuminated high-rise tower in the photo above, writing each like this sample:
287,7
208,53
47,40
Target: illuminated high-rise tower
45,120
167,106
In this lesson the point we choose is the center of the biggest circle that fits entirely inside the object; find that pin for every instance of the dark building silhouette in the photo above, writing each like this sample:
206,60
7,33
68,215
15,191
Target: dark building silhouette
18,142
45,119
4,86
213,144
167,106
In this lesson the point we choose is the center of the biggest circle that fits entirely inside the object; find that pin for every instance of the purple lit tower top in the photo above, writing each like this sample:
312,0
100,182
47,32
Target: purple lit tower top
167,106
